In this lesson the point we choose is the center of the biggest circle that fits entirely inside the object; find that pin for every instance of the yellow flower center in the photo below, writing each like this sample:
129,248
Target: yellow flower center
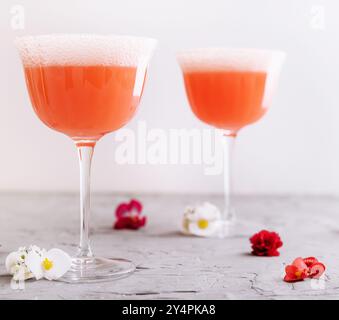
298,274
203,223
47,264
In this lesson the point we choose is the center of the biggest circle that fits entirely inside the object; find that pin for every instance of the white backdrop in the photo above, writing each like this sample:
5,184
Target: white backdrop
294,149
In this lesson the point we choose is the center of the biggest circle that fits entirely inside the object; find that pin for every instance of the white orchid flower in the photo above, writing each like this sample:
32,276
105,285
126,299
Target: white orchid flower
202,220
51,265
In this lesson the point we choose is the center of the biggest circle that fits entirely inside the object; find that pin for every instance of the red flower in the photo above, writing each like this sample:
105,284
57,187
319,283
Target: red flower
316,270
297,271
304,268
310,260
129,216
266,243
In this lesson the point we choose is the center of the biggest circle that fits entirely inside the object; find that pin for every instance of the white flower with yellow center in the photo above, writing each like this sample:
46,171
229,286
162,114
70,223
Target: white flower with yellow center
33,262
202,220
51,265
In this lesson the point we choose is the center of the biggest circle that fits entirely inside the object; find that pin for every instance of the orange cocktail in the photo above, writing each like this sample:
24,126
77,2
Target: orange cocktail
226,99
84,102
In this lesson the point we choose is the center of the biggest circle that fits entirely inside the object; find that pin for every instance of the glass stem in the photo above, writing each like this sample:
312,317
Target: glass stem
85,153
229,141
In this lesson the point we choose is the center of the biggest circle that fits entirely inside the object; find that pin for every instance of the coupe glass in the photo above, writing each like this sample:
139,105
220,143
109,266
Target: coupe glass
229,89
86,86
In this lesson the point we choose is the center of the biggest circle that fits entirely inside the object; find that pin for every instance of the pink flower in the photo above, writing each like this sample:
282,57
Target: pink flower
129,216
297,271
304,268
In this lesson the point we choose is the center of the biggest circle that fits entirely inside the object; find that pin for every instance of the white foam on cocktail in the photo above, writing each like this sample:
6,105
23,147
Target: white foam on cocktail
230,59
224,59
88,50
84,50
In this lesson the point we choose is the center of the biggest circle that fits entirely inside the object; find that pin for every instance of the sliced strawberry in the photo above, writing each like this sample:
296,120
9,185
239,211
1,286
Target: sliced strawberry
310,261
316,270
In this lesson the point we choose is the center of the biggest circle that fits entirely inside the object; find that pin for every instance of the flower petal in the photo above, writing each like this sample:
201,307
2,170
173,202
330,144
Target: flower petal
289,278
299,263
189,214
206,211
121,210
34,248
211,230
61,264
11,261
185,225
310,261
33,263
20,274
291,270
135,205
130,222
316,270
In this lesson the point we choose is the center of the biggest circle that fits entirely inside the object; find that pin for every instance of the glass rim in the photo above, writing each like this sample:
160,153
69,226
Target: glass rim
80,35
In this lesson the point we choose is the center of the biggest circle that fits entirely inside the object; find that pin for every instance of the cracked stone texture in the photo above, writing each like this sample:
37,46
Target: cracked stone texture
170,265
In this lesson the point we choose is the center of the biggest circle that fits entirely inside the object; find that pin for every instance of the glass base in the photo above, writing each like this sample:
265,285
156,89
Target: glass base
239,228
225,229
226,226
84,270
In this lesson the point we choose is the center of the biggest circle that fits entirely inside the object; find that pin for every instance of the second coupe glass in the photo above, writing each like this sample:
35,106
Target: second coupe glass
229,89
